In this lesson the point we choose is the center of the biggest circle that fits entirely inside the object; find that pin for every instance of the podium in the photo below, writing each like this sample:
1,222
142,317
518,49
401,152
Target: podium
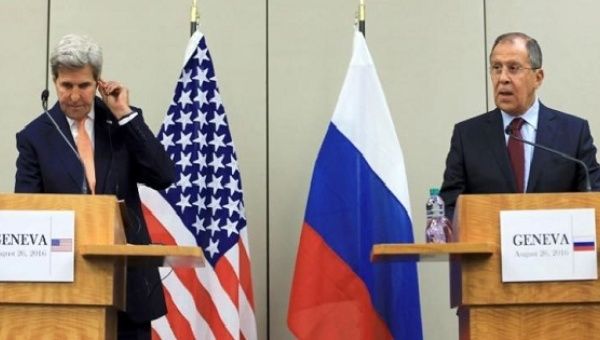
492,310
87,307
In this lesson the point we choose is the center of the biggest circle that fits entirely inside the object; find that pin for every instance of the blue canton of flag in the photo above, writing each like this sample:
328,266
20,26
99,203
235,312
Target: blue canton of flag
195,133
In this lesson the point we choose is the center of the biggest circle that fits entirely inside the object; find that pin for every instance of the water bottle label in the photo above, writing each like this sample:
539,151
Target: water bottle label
435,212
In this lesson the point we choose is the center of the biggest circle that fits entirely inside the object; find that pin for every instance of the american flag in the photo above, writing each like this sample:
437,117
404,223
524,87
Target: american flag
61,244
205,208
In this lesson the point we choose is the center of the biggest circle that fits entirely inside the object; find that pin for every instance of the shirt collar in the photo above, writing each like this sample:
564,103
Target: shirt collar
530,116
91,115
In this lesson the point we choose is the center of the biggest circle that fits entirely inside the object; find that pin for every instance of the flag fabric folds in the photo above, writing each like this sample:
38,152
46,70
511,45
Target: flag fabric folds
358,197
203,208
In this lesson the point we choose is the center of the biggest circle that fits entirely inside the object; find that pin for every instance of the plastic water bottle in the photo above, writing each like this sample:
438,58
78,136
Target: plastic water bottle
438,228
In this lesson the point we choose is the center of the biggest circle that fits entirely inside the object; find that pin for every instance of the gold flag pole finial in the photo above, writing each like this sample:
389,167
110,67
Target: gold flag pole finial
194,16
361,17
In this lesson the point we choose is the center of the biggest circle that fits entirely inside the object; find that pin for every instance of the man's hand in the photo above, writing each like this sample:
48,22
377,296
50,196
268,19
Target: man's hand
115,96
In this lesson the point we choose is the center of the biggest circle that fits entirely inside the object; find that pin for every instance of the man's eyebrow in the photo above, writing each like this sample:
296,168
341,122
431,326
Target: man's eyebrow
78,84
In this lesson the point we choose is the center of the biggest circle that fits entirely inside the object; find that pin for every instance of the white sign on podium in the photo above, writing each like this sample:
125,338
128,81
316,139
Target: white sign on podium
548,245
37,246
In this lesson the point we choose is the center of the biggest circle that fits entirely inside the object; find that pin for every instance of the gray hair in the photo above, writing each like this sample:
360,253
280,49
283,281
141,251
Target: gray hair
74,52
533,48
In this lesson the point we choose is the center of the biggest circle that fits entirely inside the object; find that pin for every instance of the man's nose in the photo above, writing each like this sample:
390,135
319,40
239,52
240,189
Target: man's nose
503,77
74,95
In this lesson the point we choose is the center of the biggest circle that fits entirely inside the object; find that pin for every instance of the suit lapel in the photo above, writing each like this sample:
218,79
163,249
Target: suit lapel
544,135
62,150
102,147
494,136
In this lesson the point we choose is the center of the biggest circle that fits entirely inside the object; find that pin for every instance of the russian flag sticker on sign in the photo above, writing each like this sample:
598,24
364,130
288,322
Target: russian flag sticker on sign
584,245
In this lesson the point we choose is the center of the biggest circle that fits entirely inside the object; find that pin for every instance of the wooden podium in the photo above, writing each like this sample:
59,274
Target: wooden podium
491,310
85,308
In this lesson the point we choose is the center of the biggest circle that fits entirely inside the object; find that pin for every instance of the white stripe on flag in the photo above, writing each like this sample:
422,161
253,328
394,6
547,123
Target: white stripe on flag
191,46
233,258
184,302
244,239
363,116
163,329
164,213
227,310
247,317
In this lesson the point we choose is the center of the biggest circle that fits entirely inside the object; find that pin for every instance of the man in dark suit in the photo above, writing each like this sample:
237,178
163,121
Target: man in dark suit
483,159
105,148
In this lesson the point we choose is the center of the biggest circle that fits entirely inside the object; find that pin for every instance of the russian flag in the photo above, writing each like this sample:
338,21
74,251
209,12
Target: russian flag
358,197
584,245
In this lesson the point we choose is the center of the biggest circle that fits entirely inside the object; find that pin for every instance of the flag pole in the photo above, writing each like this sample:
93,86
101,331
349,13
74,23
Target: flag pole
361,18
194,17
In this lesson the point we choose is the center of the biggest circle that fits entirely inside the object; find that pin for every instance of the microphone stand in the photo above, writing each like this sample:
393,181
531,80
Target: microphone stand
588,185
45,94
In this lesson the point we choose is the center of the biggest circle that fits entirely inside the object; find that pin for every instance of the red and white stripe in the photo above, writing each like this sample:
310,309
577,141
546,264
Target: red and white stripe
202,303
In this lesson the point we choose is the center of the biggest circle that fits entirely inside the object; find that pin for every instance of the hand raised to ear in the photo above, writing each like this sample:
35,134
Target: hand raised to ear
115,96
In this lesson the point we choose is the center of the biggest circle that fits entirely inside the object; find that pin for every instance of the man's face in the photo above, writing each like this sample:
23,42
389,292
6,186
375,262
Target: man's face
513,80
76,89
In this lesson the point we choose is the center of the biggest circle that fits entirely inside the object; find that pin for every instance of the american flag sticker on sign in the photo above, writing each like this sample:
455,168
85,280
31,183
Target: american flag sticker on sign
62,244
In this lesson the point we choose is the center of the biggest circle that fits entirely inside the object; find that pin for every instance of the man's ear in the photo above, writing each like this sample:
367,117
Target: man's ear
539,77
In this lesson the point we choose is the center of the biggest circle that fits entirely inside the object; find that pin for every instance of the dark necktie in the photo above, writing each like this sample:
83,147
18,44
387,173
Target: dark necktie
516,153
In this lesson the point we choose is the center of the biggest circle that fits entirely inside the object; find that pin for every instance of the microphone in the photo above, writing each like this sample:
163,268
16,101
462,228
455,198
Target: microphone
588,185
45,94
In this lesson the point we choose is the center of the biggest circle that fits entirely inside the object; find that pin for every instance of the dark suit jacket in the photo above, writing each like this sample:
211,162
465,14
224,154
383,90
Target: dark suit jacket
123,156
478,160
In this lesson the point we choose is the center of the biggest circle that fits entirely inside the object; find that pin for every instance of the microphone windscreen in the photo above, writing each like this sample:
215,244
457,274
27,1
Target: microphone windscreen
45,95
